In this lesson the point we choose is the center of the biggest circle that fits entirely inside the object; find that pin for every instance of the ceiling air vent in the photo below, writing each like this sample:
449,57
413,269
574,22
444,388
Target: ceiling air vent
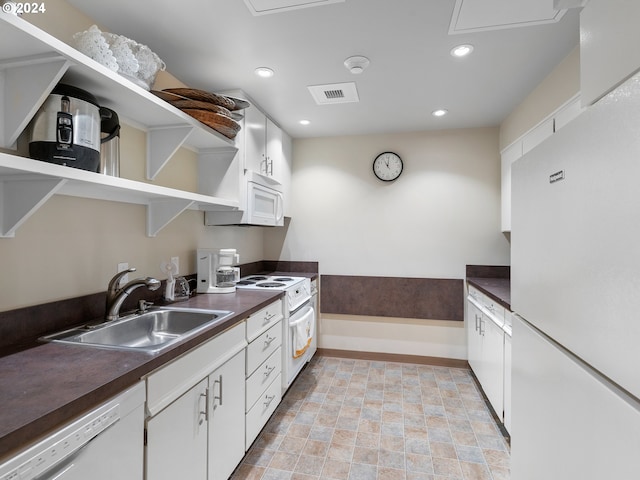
485,15
263,7
334,93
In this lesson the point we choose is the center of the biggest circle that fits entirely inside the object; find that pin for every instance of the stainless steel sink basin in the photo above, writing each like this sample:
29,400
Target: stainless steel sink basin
151,332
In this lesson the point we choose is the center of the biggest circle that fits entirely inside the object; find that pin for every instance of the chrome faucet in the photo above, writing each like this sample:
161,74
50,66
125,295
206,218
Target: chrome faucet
116,296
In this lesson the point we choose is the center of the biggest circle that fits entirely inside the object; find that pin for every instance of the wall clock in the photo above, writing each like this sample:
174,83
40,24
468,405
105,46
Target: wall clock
387,166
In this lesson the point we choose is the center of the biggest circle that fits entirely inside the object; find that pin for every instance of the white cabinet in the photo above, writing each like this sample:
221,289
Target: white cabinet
509,155
608,33
257,172
263,143
537,135
534,137
507,381
226,414
177,438
196,411
474,339
491,374
33,62
263,367
485,340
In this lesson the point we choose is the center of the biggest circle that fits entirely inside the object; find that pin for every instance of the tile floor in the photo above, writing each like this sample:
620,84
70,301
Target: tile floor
367,420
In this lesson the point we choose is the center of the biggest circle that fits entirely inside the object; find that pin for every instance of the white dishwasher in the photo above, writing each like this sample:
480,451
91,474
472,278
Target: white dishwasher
104,444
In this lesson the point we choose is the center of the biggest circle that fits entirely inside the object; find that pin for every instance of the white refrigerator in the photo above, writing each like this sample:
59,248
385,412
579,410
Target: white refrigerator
575,287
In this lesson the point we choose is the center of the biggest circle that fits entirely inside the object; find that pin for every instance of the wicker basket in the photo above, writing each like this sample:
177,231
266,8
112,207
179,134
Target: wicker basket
225,125
203,96
183,103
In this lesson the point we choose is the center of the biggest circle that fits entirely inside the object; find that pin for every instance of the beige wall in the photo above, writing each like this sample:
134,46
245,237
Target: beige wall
558,87
439,216
71,246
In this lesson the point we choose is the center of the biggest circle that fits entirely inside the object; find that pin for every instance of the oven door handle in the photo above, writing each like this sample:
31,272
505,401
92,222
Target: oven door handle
304,315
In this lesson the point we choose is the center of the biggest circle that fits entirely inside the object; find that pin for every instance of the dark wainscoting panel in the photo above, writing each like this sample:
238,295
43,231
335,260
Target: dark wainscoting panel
425,298
263,266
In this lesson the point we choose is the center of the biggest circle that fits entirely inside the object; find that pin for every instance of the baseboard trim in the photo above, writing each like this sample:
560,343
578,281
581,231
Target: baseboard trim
393,357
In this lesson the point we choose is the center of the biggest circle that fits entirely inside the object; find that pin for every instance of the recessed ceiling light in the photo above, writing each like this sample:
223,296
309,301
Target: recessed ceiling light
304,122
441,112
461,50
264,72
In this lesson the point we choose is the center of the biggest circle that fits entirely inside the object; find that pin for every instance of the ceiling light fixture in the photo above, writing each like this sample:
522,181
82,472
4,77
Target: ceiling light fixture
264,72
304,122
356,64
461,50
441,112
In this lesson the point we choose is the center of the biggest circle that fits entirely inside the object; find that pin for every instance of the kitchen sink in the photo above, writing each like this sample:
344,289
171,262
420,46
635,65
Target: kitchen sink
151,331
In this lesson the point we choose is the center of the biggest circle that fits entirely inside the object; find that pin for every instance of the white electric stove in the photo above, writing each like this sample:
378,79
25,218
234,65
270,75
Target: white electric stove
298,289
299,310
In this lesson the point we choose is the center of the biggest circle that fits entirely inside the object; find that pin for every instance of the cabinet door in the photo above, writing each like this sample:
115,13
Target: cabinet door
507,382
177,438
226,417
274,149
493,364
509,155
255,138
474,340
536,136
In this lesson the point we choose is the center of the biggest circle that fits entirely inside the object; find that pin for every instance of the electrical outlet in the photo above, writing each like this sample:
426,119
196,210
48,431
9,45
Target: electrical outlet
176,262
121,268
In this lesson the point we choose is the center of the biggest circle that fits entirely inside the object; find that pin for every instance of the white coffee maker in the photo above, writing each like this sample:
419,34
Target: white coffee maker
216,270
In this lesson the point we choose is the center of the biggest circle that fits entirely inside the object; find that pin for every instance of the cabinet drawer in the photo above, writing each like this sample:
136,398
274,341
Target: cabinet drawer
170,381
263,376
263,346
262,410
263,319
495,309
490,306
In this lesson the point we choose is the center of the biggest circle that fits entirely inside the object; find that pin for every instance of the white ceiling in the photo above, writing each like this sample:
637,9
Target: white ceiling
215,45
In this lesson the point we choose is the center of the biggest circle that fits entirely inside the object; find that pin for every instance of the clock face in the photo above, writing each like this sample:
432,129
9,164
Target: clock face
387,166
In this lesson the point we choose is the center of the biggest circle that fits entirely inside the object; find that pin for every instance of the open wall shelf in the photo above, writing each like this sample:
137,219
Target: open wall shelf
32,62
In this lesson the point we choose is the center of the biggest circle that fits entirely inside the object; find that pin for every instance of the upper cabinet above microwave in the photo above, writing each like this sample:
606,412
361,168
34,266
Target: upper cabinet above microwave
257,172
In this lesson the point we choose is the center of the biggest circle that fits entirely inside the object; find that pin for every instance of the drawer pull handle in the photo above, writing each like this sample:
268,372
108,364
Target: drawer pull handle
269,370
268,341
268,317
218,397
269,399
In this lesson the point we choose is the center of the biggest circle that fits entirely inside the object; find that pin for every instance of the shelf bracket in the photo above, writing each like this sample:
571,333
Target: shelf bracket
21,197
25,84
162,143
161,212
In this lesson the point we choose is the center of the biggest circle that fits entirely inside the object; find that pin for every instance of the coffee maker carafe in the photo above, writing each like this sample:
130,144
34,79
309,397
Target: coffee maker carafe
216,270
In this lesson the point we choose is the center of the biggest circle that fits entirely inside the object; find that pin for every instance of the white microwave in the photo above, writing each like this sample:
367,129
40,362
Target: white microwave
265,206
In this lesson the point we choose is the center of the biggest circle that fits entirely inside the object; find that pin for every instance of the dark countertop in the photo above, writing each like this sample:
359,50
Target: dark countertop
499,289
44,387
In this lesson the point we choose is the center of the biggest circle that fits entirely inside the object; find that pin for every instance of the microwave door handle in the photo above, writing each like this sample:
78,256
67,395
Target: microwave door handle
279,207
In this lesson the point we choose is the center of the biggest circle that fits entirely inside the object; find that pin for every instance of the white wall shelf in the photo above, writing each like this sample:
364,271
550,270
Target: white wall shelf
32,62
26,184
